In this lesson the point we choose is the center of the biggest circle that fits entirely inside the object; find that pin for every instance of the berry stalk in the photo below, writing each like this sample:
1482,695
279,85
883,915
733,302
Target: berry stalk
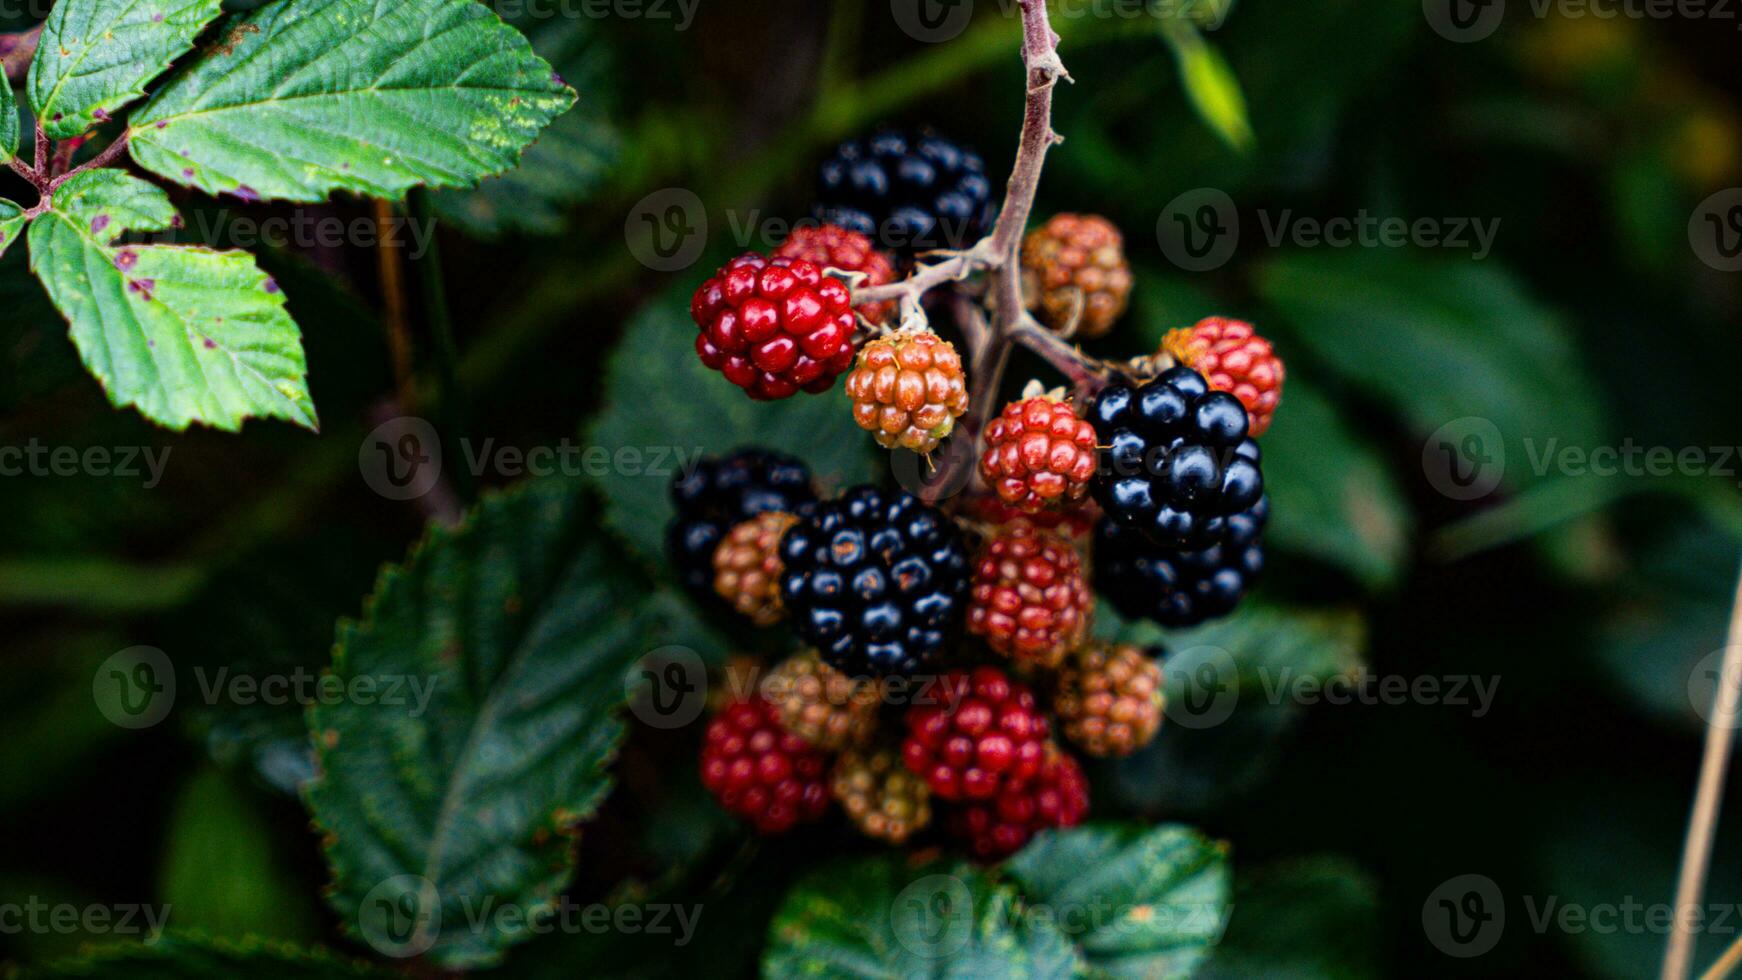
989,341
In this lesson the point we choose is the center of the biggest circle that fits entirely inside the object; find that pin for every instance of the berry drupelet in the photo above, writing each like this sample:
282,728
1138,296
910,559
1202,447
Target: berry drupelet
877,581
1109,699
834,247
883,799
1180,588
1075,265
1232,358
1030,600
774,326
1039,454
718,494
1178,462
910,194
908,389
981,735
761,772
1058,796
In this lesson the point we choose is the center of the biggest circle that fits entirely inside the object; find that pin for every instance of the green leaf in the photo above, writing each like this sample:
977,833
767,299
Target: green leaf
1332,496
1210,84
184,334
12,222
191,957
517,627
96,56
1440,341
1231,688
569,162
882,917
711,415
8,119
1141,901
1267,643
1315,917
307,97
221,872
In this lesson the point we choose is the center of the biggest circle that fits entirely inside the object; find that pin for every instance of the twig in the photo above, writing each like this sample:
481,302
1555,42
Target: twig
990,344
428,270
103,159
1088,375
1726,964
389,263
1697,851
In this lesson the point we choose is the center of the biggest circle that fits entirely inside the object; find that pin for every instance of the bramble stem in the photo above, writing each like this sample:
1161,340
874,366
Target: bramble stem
989,342
103,159
1697,851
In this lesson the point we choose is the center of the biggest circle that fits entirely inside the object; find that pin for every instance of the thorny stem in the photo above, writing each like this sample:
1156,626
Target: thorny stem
990,342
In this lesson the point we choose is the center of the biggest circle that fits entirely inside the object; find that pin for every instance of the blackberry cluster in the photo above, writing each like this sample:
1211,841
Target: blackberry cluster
876,581
720,493
1180,588
1178,462
910,194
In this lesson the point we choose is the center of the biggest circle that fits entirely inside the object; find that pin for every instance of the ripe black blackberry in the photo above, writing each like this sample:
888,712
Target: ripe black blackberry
1180,588
876,581
719,493
1178,463
910,194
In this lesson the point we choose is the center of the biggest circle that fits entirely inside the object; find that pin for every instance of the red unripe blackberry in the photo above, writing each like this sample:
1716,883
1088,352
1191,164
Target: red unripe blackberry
1077,262
761,772
774,326
1039,454
1232,358
1030,599
1057,797
982,733
1109,699
834,247
1076,523
908,390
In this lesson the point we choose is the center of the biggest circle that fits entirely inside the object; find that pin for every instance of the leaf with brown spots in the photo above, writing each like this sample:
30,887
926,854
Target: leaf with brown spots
183,334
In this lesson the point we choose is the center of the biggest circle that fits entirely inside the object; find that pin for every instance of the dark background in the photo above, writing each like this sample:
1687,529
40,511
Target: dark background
1592,141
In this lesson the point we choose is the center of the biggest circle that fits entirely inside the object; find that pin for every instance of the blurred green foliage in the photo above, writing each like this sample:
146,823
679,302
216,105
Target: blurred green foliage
1592,598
